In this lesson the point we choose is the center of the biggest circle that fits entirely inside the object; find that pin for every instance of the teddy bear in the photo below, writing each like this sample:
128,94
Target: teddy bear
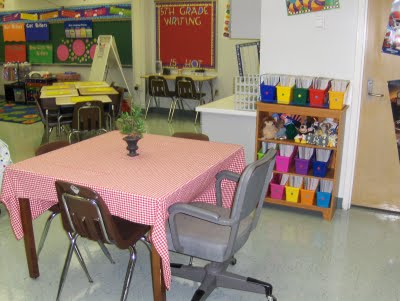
269,129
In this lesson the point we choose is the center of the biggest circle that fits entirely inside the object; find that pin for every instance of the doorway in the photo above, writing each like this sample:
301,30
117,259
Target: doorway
377,169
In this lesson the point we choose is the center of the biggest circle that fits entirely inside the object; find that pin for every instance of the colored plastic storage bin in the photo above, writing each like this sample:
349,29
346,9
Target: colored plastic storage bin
277,191
283,163
292,194
300,96
302,166
268,93
323,199
336,100
260,154
318,97
320,169
307,197
284,95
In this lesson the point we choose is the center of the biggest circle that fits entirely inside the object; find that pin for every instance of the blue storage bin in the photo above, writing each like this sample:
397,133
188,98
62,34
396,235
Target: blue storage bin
268,93
320,169
323,199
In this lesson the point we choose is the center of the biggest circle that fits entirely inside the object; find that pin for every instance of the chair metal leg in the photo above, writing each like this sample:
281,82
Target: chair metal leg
129,272
80,259
147,107
195,120
173,110
45,231
105,251
66,266
146,243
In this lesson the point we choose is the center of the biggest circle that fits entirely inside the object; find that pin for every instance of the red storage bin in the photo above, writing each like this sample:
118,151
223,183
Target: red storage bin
318,98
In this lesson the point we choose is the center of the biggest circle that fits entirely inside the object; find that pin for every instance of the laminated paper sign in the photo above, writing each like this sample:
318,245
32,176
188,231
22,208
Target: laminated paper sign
49,15
15,53
30,17
14,32
12,17
78,29
41,53
38,31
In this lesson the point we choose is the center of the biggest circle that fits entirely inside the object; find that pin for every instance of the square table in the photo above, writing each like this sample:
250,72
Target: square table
140,189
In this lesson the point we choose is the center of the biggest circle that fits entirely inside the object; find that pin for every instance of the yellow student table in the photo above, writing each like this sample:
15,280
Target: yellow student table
58,93
70,101
86,91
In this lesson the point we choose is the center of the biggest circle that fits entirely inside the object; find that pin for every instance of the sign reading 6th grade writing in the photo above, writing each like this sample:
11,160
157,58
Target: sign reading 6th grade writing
186,34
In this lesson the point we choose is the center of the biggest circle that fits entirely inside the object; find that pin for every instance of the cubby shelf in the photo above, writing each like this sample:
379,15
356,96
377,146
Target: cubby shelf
267,109
325,211
291,142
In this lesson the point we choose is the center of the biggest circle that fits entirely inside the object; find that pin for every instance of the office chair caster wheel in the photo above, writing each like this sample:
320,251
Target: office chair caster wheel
271,298
233,261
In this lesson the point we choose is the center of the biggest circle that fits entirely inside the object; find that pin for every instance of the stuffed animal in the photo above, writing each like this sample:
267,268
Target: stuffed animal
291,131
269,129
281,134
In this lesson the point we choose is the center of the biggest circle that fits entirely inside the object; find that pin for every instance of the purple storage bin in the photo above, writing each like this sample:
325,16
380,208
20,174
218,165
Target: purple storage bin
302,166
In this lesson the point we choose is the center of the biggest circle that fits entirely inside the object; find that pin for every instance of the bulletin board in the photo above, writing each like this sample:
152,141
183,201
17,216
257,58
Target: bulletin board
186,34
80,51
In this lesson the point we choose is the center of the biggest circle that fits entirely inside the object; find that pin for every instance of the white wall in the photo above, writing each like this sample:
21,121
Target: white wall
294,45
19,5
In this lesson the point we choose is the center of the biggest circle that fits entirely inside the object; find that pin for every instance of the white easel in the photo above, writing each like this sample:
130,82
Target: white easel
106,59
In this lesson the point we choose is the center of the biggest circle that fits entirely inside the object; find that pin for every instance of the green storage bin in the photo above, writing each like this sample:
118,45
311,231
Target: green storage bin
300,96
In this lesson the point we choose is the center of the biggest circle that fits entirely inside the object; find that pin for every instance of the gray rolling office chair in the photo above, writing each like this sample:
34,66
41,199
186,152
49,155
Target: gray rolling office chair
214,233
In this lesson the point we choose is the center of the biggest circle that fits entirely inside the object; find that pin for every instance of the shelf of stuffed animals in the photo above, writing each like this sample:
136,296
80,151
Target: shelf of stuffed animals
266,111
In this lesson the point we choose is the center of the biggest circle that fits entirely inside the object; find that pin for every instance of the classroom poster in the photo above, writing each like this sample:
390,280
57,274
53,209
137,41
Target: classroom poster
78,29
185,35
296,7
78,51
394,95
391,41
38,31
40,53
15,53
14,32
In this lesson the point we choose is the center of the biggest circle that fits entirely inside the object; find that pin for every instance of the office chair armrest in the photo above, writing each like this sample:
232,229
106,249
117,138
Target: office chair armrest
181,208
224,175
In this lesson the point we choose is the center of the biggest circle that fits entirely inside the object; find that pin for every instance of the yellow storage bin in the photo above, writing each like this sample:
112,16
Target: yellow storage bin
337,99
284,95
292,194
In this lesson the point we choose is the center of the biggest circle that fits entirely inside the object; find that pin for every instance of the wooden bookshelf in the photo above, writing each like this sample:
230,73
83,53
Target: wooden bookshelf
267,109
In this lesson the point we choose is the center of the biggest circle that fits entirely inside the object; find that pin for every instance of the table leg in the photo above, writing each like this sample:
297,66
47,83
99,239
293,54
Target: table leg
29,237
47,126
159,291
211,89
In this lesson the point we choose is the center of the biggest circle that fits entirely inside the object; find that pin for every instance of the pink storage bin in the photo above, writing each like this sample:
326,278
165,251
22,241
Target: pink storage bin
276,191
283,164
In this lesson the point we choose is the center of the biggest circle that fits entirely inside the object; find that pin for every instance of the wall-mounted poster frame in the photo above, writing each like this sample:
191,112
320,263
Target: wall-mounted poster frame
186,34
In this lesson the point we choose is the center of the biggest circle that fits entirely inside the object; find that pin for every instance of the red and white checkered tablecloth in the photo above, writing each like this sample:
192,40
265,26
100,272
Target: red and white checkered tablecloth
139,189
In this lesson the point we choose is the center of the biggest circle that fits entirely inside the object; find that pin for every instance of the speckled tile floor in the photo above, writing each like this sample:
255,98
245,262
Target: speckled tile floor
355,257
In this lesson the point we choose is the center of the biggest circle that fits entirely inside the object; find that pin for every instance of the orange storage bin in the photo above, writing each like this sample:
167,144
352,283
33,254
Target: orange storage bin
307,197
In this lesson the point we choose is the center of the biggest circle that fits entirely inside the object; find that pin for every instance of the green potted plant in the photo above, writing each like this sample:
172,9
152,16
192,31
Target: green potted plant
132,124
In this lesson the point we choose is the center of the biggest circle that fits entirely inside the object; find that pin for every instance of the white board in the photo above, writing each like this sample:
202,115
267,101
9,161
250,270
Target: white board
246,19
